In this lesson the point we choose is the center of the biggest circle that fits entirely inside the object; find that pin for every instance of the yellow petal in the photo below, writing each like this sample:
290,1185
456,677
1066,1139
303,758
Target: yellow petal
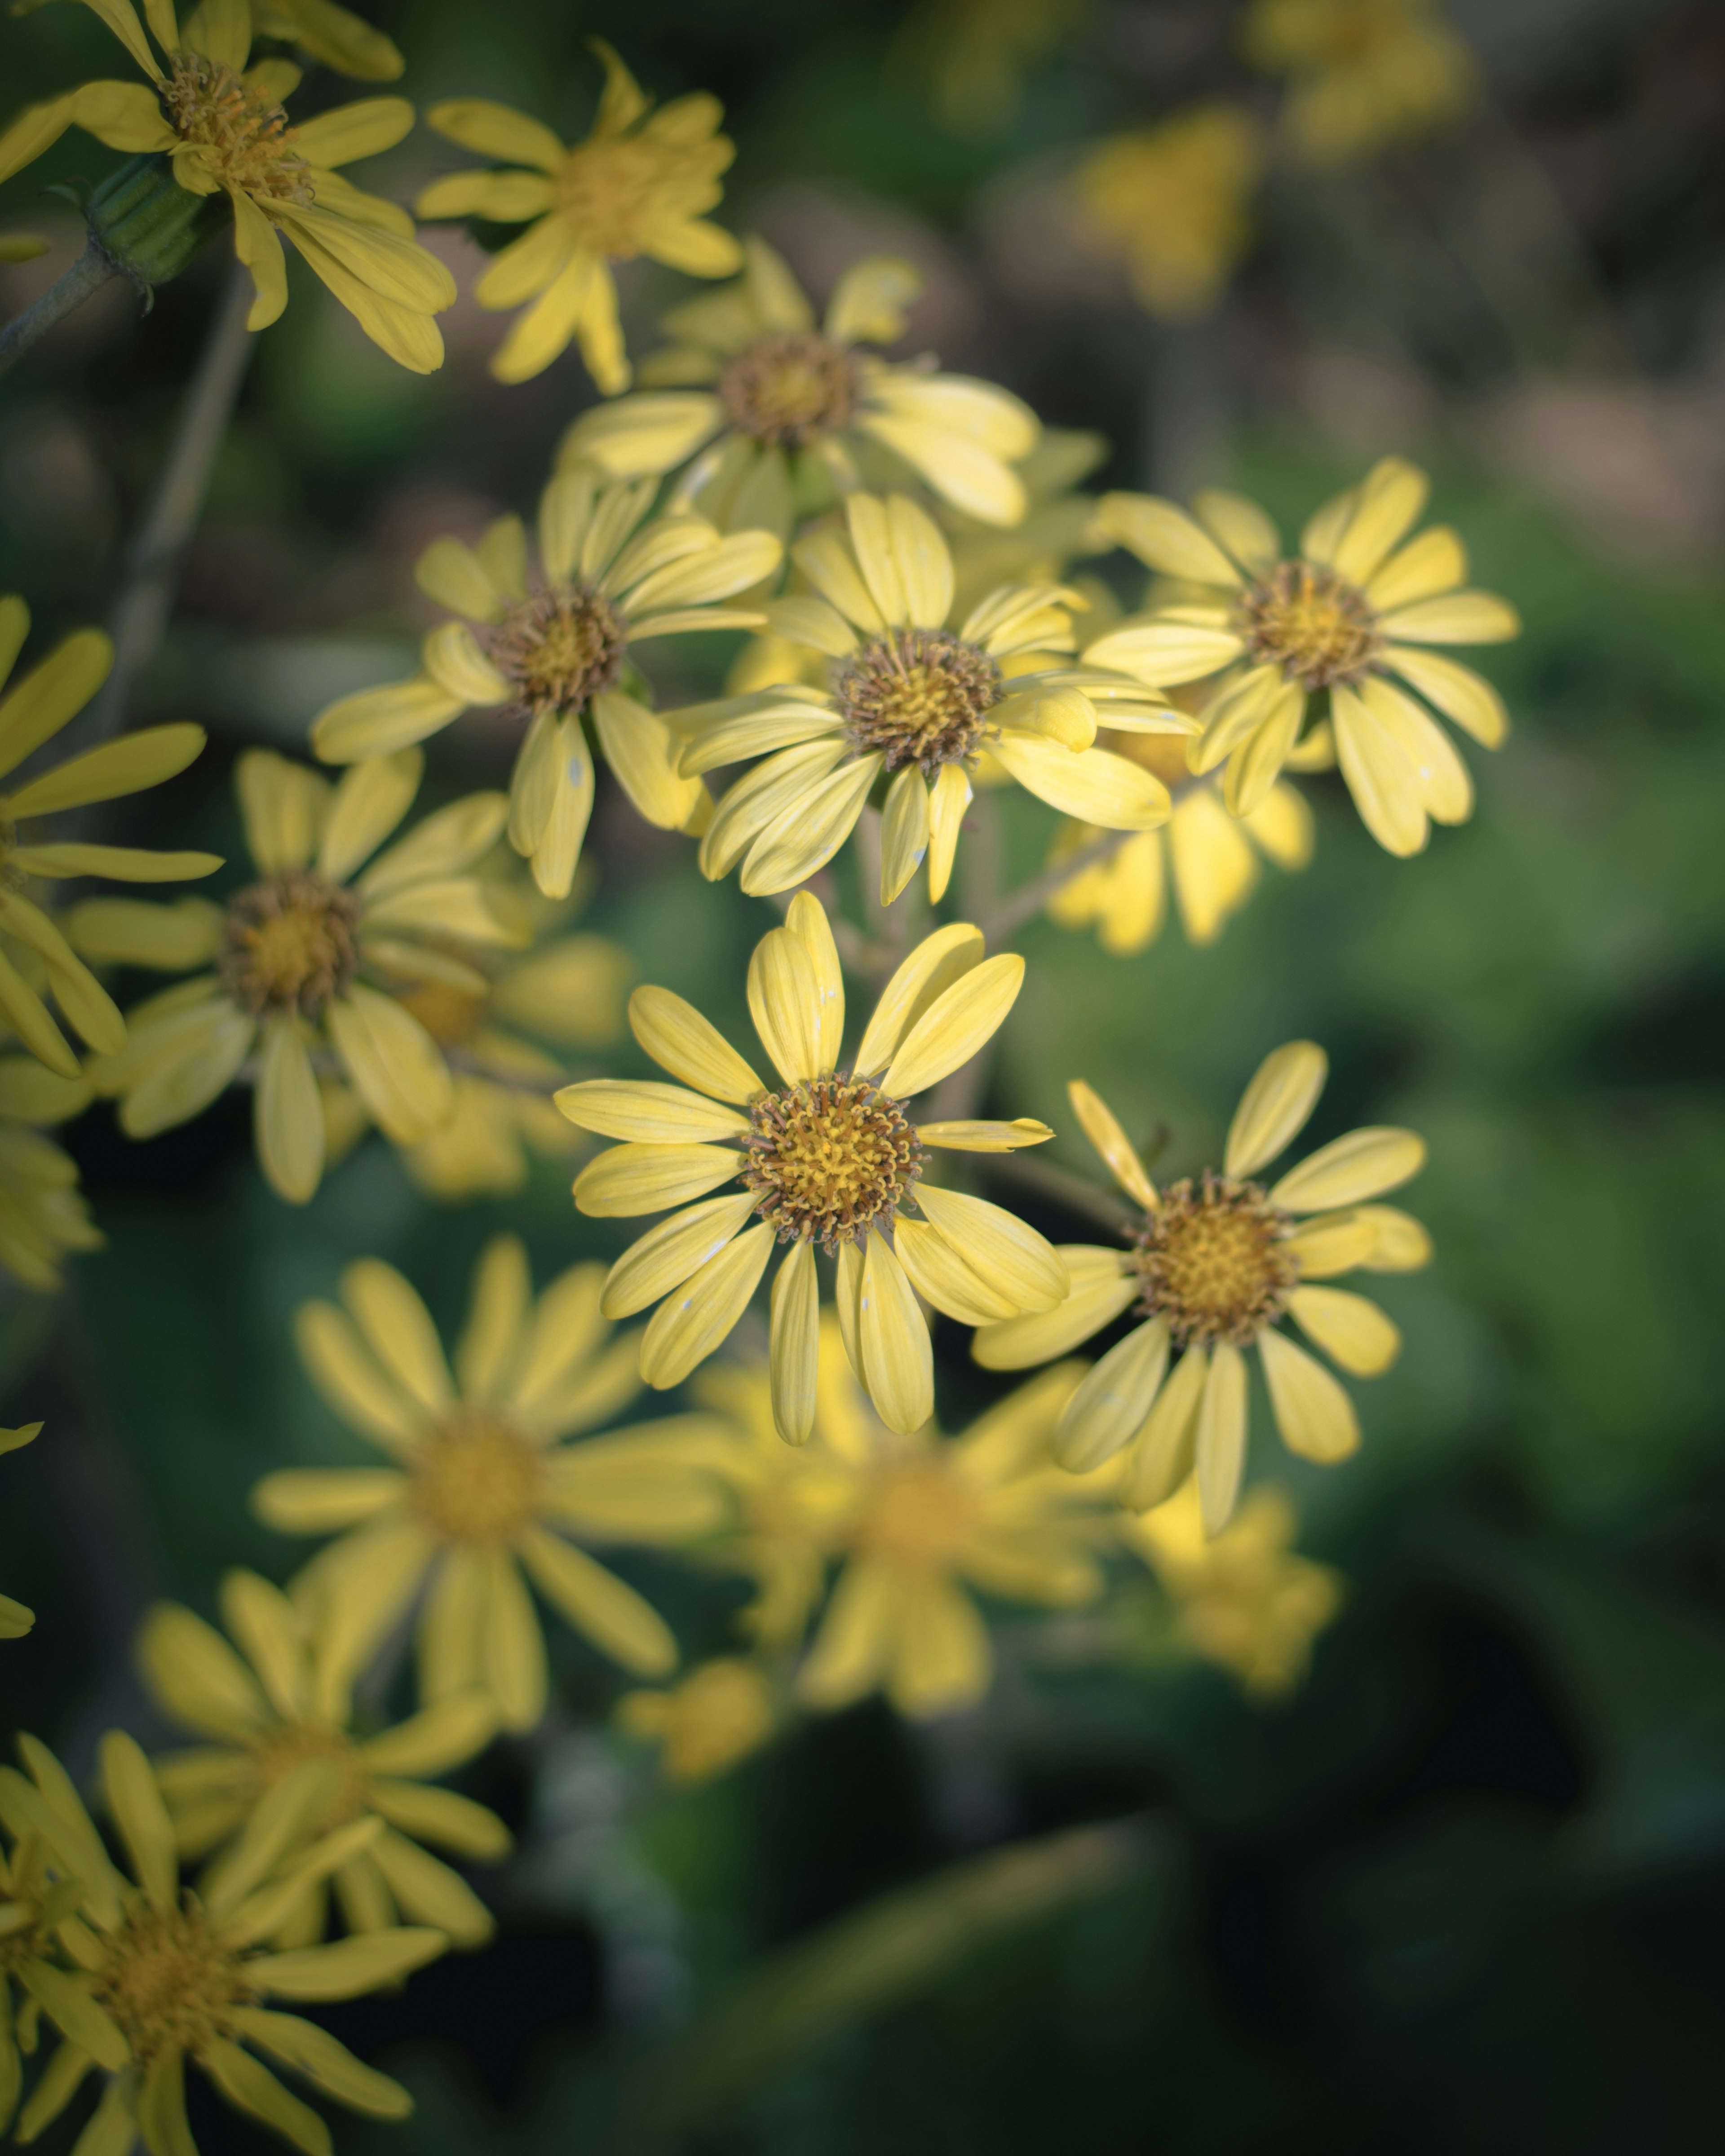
804,837
136,1803
1454,618
856,1638
1386,504
515,1646
904,831
696,1317
341,1366
1241,527
1112,1403
1313,1415
195,1676
1435,561
41,703
1459,693
947,802
937,963
647,1179
128,765
794,1344
282,806
806,919
757,800
1162,1457
379,721
348,1968
923,560
868,300
830,565
287,1111
370,801
1221,1436
1163,651
1102,1128
1275,1106
1361,1164
1401,1244
310,1502
397,1329
642,752
1446,791
1010,1257
617,1621
1165,537
1386,787
1350,1329
397,1068
1333,1243
941,1277
897,1358
943,1662
958,1023
785,1002
647,1112
1103,1284
666,1255
497,131
1096,786
982,1137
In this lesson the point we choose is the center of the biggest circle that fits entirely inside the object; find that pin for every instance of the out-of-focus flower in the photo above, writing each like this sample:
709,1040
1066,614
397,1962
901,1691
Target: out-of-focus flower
1176,201
1362,73
282,1700
829,1157
483,1488
331,34
42,1213
911,696
37,707
793,414
548,655
314,958
720,1712
23,246
977,52
35,1899
162,1981
638,185
1245,1597
221,126
1355,607
1216,1264
15,1619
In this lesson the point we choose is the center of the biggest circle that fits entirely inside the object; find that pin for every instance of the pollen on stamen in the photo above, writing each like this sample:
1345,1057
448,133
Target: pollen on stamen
1214,1263
828,1159
918,696
560,648
247,137
1316,626
289,943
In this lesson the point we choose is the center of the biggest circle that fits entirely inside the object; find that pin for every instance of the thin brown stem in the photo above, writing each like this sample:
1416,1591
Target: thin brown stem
1059,1186
87,274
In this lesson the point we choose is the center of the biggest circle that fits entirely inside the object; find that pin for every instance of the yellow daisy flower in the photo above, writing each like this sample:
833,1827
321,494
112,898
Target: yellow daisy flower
638,185
785,416
829,1156
911,697
483,1488
720,1712
284,1700
41,1214
35,710
546,657
223,128
1176,201
312,960
1351,616
1245,1597
1362,73
15,1619
161,1980
1216,1263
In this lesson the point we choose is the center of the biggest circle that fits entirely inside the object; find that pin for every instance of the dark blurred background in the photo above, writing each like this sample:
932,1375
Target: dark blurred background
1467,1889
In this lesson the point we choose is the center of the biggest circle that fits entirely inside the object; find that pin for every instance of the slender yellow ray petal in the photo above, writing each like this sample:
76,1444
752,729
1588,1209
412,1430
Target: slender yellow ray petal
397,1329
1102,1128
1351,1329
794,1344
1103,1284
1241,527
944,1276
648,1113
904,831
948,800
855,1644
923,560
1385,786
138,1811
981,1137
959,1021
666,1255
830,565
340,1366
41,703
697,1316
1096,786
806,919
847,1297
196,1676
1161,1457
1386,505
1163,650
1402,1244
1333,1243
1459,693
1314,1415
287,1111
804,837
397,1068
1165,537
757,799
872,544
868,300
943,1661
126,766
785,1002
897,1358
1361,1165
1455,618
1274,1107
497,131
937,963
1012,1258
515,1646
1113,1401
646,1178
324,2061
1446,790
1435,561
349,1967
1221,1436
497,1320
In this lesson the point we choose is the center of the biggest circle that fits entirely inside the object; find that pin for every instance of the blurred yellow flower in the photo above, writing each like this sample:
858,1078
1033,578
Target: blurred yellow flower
331,34
545,657
283,1701
162,1981
1176,201
222,127
1216,1264
720,1712
315,958
1355,609
1244,1598
482,1488
787,416
830,1156
638,185
36,708
1362,73
910,697
42,1215
15,1619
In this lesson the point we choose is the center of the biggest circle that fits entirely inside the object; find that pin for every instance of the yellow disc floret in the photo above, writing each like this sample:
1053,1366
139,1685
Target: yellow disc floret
289,943
169,1982
918,696
245,137
1315,625
560,648
829,1157
1215,1262
477,1480
920,1516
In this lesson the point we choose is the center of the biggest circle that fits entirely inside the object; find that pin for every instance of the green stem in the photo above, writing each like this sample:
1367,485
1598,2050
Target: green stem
87,274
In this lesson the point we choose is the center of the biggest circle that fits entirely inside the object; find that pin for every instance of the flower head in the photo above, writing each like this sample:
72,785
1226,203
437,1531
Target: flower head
221,126
1217,1262
1347,618
829,1155
783,414
921,696
1362,73
1175,200
638,185
718,1714
546,656
316,957
482,1489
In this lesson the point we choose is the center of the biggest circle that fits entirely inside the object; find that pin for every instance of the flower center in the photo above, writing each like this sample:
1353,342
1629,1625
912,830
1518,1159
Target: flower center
792,388
827,1159
920,1516
917,695
169,1982
1315,625
477,1480
448,1014
1215,1262
296,1743
247,137
560,648
611,191
290,944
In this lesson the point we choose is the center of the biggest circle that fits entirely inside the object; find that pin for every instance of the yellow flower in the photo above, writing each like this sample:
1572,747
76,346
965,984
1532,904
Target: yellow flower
911,696
1245,1599
545,657
285,1702
159,1980
720,1712
34,1902
829,1156
42,1215
294,958
15,1620
1216,1263
636,186
482,1488
222,127
1176,201
36,709
331,34
1355,608
791,411
1362,73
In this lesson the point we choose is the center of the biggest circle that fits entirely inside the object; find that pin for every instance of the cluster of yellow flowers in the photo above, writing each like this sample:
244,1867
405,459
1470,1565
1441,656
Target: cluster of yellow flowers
898,544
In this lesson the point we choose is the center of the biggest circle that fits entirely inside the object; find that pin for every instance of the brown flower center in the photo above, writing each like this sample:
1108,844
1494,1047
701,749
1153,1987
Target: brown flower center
560,648
477,1480
289,943
246,136
792,388
169,1982
917,695
1215,1262
920,1516
1315,625
293,1745
829,1157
